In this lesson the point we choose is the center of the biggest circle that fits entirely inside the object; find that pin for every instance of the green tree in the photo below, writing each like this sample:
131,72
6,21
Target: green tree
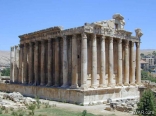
142,55
147,103
154,53
6,72
144,74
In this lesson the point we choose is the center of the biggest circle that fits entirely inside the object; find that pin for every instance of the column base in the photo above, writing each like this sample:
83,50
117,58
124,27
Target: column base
94,86
74,86
35,84
111,85
65,86
120,84
25,83
42,84
102,85
48,85
84,87
30,83
56,85
133,84
126,84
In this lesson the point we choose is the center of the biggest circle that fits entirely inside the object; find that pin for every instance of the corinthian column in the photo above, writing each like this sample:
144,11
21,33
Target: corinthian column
126,79
102,70
84,61
74,84
138,73
65,62
36,64
31,63
25,72
119,79
12,65
111,63
20,63
132,68
94,62
49,63
42,62
56,62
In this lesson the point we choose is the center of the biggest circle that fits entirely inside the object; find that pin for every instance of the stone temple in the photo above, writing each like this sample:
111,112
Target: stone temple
86,64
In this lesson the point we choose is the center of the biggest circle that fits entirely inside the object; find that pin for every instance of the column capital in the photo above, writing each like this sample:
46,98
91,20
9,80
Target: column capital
126,42
137,44
49,40
84,35
30,43
42,41
93,35
111,39
21,45
132,44
119,41
36,42
74,36
103,37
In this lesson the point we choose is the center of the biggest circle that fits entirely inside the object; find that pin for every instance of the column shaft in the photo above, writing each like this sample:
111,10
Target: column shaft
25,70
138,73
49,63
111,63
126,78
31,63
119,81
42,63
36,63
74,63
11,64
20,64
65,62
56,62
103,63
84,61
132,68
94,62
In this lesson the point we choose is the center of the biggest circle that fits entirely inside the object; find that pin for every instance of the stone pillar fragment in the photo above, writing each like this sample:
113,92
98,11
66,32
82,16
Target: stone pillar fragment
20,63
103,63
16,64
36,63
49,63
126,76
132,68
65,62
31,63
138,71
25,67
119,79
111,66
42,63
94,62
56,62
84,61
12,65
74,84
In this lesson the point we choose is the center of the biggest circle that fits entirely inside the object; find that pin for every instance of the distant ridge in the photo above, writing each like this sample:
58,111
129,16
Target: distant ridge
4,58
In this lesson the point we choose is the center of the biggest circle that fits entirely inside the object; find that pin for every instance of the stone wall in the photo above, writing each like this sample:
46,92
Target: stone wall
91,96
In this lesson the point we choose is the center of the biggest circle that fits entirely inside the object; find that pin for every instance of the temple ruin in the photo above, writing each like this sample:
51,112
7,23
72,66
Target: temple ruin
90,63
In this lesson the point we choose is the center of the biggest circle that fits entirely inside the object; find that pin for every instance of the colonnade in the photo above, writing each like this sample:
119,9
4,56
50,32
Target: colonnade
40,62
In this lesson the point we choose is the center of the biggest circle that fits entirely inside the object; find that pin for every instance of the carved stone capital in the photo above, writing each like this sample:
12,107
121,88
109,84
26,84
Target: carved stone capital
137,45
74,36
84,35
30,44
93,35
103,37
132,44
126,44
111,40
119,41
49,40
36,42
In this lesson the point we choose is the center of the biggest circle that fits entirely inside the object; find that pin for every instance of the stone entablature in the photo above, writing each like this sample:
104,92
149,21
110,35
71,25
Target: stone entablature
106,28
96,55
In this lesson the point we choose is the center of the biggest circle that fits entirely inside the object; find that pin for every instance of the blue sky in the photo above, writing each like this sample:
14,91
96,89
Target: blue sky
18,17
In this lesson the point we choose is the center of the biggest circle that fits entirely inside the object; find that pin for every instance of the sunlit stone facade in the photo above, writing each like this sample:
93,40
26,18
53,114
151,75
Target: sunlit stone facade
95,56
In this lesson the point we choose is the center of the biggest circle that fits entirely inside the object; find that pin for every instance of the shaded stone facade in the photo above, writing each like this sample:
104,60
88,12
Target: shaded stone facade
93,56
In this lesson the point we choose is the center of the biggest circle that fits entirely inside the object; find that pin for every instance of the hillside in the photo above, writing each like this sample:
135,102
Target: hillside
4,58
